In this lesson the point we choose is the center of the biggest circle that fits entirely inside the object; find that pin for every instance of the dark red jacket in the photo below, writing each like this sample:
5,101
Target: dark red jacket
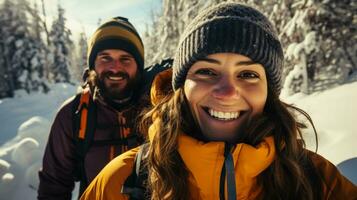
57,176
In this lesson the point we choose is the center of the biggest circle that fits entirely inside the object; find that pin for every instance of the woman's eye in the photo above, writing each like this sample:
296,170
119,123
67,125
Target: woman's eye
248,75
205,72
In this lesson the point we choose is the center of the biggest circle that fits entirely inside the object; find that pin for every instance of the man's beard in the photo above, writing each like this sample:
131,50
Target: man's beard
113,91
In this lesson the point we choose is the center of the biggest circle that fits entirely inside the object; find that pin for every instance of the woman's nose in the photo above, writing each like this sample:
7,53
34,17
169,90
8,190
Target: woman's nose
226,89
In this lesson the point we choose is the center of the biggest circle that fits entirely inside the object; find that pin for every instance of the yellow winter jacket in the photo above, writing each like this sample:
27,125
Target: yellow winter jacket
204,162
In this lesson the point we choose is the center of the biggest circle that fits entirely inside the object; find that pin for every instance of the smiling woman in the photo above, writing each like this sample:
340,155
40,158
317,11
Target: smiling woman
222,132
225,91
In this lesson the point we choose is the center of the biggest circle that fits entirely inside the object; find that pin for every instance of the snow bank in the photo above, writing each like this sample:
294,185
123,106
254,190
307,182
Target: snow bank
27,124
334,113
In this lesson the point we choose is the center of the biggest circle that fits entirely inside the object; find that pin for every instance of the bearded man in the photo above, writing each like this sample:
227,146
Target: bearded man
114,86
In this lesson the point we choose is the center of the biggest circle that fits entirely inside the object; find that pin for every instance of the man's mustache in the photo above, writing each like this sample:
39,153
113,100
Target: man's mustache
118,74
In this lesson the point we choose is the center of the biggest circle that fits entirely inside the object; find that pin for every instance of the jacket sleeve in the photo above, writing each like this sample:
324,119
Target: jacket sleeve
56,176
108,183
336,186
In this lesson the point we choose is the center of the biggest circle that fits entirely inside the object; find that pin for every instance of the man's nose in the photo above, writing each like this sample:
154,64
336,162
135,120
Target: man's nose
226,88
115,66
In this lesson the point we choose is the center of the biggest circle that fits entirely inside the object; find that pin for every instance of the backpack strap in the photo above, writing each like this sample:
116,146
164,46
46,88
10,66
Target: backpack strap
136,183
83,129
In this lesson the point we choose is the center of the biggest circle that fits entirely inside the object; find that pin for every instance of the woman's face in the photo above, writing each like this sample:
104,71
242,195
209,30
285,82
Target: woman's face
224,91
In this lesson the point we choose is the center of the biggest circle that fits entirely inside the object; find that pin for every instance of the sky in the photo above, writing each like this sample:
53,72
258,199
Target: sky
84,15
25,126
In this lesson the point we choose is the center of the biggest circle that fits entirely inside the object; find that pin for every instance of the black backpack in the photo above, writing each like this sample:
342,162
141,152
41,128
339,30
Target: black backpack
136,184
151,71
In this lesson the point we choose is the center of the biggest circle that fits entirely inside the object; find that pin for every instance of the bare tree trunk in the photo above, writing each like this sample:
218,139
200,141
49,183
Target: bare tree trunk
10,78
46,68
44,22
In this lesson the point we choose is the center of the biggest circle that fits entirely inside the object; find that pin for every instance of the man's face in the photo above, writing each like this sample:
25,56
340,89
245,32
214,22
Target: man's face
117,73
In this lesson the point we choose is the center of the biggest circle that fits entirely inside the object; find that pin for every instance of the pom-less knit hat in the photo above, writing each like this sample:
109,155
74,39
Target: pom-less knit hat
230,28
116,33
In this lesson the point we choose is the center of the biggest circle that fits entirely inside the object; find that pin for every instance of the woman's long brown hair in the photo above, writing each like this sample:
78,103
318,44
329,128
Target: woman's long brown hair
167,173
290,176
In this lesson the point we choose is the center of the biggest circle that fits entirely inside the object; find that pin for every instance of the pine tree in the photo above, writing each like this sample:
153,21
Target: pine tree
7,46
21,49
170,32
61,45
38,52
166,28
5,87
317,54
150,40
81,57
335,25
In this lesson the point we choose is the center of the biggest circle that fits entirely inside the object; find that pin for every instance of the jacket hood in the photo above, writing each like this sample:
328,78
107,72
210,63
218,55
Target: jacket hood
161,86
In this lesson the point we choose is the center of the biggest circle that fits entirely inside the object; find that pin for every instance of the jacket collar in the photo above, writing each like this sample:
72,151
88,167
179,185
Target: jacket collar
249,161
205,161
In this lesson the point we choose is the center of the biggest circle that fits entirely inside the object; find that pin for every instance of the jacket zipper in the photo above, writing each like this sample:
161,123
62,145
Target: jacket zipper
228,171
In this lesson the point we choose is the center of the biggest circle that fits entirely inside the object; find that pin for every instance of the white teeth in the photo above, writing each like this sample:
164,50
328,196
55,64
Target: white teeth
223,115
115,78
232,115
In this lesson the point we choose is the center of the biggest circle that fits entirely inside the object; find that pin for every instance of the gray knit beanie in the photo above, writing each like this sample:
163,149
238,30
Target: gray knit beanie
230,28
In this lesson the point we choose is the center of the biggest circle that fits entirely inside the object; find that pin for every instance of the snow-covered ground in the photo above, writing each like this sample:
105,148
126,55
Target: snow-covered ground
26,119
25,123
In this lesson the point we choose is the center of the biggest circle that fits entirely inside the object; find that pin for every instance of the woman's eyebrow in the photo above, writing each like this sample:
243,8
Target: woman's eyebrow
214,61
210,60
249,62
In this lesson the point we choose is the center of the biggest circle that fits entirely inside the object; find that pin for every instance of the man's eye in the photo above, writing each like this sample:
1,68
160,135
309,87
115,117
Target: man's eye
105,59
248,75
205,72
125,60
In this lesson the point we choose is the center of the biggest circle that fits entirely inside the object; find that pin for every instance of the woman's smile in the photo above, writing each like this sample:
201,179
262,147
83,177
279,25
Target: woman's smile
224,91
222,115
